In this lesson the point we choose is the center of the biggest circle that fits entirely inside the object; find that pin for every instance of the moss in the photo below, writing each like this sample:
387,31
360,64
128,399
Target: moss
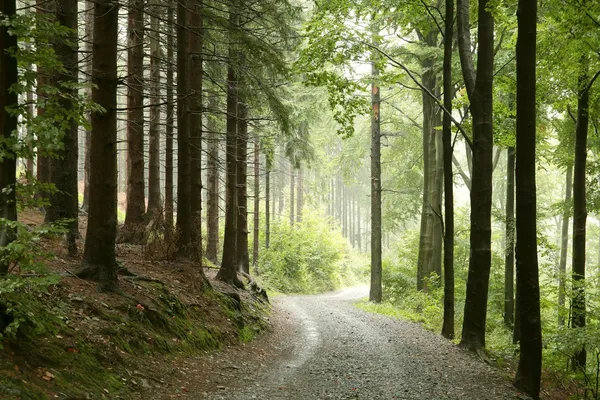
88,364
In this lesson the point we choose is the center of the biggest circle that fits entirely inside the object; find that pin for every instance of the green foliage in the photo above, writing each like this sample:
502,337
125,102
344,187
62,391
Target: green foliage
308,257
21,311
25,252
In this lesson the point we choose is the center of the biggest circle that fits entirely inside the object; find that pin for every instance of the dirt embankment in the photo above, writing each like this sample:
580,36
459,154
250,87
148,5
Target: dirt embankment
61,338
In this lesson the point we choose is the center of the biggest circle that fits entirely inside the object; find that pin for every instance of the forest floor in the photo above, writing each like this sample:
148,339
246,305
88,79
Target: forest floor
322,347
61,338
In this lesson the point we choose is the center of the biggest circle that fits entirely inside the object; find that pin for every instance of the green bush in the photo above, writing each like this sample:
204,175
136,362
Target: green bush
309,257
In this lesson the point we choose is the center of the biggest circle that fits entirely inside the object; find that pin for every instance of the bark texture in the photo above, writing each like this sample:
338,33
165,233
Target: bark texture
212,212
63,168
448,322
133,230
529,371
375,291
8,124
99,263
578,316
479,90
509,258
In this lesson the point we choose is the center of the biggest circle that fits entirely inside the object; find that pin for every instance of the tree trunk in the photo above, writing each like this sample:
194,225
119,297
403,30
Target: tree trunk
242,188
375,289
256,202
8,124
133,230
154,198
169,126
212,231
88,48
99,263
578,316
448,321
529,371
195,130
481,98
267,214
228,271
425,260
184,217
63,168
509,260
300,195
358,230
564,246
292,193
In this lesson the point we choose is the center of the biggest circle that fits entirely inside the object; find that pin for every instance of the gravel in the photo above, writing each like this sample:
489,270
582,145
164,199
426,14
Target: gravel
323,347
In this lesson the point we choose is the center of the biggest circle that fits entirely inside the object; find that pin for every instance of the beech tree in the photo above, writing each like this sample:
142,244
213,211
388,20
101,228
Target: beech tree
528,290
478,83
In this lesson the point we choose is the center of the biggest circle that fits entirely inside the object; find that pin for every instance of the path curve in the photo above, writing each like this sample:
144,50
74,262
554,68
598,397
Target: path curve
325,348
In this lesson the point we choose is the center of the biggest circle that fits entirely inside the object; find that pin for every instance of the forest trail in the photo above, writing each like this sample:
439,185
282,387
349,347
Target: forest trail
323,347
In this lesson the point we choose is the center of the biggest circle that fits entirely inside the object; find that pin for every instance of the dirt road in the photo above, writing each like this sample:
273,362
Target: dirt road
323,347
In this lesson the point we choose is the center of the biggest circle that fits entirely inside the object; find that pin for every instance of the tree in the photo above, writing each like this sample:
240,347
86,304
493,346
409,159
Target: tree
243,258
375,291
212,184
578,316
184,223
479,90
99,263
529,371
63,168
169,124
228,271
154,199
8,124
448,324
509,260
564,244
195,80
136,201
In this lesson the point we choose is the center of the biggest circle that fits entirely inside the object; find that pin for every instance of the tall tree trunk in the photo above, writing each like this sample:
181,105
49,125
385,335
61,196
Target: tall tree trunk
195,130
375,291
169,124
99,263
564,246
154,198
509,259
529,371
578,319
8,125
133,230
425,260
88,48
292,193
228,271
242,188
212,231
479,90
281,185
256,202
267,214
184,217
448,322
300,194
63,168
358,230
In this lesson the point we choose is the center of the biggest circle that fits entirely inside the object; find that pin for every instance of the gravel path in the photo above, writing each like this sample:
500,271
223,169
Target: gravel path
323,347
